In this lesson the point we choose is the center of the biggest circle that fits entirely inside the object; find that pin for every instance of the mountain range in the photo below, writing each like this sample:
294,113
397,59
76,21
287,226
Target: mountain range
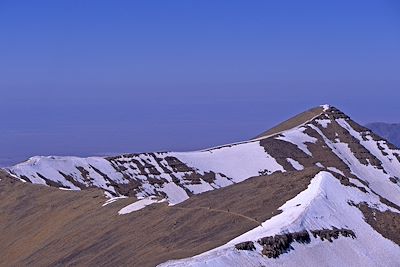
316,190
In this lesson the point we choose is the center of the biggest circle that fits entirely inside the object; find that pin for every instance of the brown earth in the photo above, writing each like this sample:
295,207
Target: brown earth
293,122
386,223
64,228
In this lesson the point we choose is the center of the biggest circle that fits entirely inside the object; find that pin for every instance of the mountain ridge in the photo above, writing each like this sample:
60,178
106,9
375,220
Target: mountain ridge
280,198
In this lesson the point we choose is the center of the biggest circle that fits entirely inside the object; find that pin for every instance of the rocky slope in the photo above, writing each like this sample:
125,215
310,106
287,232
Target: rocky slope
317,189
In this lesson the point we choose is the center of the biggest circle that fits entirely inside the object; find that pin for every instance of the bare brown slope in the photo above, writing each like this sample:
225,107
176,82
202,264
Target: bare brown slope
293,122
42,226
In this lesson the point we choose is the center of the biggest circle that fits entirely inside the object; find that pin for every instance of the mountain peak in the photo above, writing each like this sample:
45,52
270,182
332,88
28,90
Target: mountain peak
325,107
318,178
320,112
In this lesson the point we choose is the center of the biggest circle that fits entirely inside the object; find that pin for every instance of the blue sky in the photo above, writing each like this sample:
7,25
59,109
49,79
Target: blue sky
95,77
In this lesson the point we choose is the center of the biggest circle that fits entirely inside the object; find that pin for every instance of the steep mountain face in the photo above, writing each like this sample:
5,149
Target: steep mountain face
389,131
317,189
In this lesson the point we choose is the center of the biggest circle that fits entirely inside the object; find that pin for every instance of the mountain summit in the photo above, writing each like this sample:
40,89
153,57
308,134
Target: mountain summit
318,189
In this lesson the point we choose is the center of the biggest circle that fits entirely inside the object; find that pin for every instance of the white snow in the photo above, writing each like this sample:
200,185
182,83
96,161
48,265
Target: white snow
323,122
319,164
238,162
296,165
326,107
65,189
200,188
50,167
297,137
230,165
113,199
175,193
336,170
140,204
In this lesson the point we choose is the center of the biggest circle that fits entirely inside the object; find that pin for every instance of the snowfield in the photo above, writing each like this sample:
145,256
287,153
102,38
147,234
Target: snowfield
230,164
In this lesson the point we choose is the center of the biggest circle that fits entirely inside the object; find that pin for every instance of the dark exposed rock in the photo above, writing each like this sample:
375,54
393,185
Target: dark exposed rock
346,182
334,233
273,246
50,182
281,150
71,179
276,246
193,177
177,165
85,175
397,155
248,245
386,223
382,149
209,177
25,178
302,237
159,162
128,189
158,181
395,180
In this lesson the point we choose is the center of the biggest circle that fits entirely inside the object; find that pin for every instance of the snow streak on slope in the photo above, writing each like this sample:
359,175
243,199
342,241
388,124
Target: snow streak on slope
140,204
377,148
325,204
296,165
377,179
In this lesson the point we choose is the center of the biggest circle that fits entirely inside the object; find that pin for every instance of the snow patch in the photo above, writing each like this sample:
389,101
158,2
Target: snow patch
319,164
111,200
324,122
333,169
299,138
295,164
140,204
326,107
175,194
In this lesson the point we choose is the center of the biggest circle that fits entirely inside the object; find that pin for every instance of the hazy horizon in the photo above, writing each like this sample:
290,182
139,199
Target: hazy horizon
6,162
90,78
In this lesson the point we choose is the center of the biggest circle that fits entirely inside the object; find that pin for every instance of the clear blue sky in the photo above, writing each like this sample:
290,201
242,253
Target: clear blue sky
93,77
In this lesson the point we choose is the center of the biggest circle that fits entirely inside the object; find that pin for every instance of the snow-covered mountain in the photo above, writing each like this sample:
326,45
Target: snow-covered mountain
316,190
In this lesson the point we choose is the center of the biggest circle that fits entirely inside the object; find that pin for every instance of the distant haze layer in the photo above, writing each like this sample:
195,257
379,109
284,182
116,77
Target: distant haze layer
389,131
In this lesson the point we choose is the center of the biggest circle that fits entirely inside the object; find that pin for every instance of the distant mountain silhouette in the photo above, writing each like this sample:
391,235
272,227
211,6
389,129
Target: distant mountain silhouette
389,131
